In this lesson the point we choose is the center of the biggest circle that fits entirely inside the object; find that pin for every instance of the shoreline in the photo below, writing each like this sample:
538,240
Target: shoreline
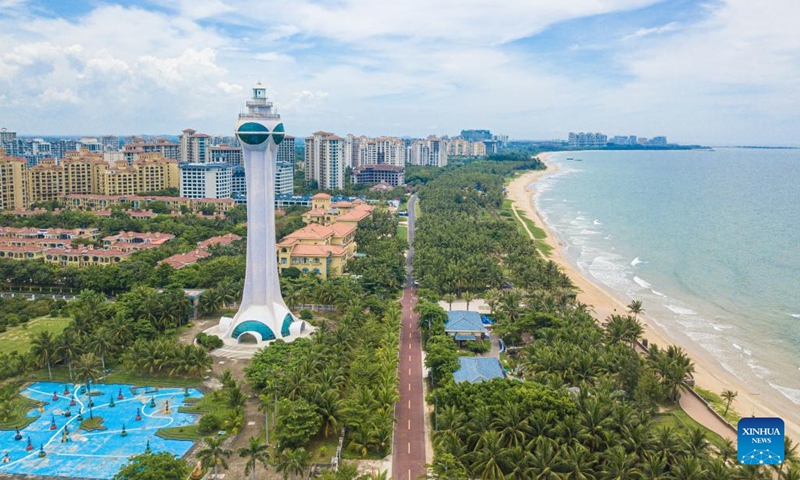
709,374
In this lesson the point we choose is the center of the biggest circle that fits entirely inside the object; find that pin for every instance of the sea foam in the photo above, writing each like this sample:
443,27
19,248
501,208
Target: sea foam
636,261
680,310
642,283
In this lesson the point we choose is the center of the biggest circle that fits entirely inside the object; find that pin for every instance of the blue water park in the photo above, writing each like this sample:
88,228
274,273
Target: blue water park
119,421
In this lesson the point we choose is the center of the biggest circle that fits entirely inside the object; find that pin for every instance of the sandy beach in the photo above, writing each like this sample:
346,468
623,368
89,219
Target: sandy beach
709,374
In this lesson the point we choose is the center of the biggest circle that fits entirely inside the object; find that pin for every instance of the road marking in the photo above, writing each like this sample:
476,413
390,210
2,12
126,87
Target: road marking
409,370
409,346
409,474
409,404
409,358
409,448
409,387
409,424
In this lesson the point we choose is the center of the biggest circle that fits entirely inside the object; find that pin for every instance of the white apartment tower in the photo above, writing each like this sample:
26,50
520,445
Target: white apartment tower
195,147
325,160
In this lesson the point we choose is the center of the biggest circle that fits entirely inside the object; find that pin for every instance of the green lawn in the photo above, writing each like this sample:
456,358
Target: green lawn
539,235
682,422
19,338
718,404
417,210
402,232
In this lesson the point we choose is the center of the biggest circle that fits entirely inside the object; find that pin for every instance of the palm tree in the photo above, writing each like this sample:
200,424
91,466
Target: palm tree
100,344
44,347
449,298
255,453
87,368
728,395
468,297
67,349
635,308
292,462
214,454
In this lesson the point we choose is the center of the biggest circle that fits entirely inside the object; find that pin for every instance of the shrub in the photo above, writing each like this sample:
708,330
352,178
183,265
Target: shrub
306,314
478,346
210,423
209,342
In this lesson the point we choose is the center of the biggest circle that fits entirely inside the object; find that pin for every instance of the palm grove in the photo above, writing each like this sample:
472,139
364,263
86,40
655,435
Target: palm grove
587,406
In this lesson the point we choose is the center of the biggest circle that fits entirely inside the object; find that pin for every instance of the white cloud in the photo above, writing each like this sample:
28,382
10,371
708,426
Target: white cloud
230,89
643,32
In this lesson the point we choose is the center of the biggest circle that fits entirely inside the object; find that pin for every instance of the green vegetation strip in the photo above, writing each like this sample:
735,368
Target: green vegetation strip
683,423
19,338
402,232
188,432
719,405
93,424
150,380
14,414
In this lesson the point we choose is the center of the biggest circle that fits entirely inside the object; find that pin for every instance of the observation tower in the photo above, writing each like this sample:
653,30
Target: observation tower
263,315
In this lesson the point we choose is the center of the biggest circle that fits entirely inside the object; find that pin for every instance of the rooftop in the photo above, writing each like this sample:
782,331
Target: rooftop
464,321
478,369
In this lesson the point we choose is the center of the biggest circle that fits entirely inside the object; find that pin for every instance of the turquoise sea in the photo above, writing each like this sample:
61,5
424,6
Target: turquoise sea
708,240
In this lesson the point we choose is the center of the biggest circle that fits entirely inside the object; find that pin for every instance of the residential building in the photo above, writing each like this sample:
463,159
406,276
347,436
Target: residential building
167,149
134,241
119,179
431,152
181,260
13,183
206,180
227,154
323,250
325,160
392,174
284,178
582,139
286,150
476,135
325,212
156,172
195,147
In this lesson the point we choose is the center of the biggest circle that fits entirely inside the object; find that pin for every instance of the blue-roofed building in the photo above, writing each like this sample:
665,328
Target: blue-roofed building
478,369
464,325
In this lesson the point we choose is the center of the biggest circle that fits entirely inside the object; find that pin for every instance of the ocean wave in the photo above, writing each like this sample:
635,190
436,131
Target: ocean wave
795,315
680,310
636,261
597,222
736,346
792,394
657,293
608,237
586,231
610,272
580,218
642,283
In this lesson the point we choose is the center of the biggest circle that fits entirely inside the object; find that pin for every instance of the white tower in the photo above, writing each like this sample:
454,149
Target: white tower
263,315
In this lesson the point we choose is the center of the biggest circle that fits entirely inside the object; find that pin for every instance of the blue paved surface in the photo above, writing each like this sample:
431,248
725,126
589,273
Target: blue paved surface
98,454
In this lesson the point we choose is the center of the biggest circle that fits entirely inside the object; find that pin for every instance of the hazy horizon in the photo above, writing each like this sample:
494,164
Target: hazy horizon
699,72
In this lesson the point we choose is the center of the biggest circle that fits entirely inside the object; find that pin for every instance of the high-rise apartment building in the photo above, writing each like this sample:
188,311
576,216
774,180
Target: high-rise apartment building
325,160
82,173
286,150
582,139
156,172
13,183
138,146
206,180
432,151
227,154
195,147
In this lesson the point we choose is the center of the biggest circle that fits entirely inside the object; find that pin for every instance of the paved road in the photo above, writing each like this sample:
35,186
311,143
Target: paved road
408,454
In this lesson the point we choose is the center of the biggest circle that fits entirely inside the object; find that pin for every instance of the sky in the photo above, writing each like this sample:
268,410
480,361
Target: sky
718,72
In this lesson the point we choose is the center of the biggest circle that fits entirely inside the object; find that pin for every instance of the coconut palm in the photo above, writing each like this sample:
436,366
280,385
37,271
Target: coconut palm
67,348
43,346
728,395
255,452
449,298
100,344
87,368
635,308
214,454
468,297
292,462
